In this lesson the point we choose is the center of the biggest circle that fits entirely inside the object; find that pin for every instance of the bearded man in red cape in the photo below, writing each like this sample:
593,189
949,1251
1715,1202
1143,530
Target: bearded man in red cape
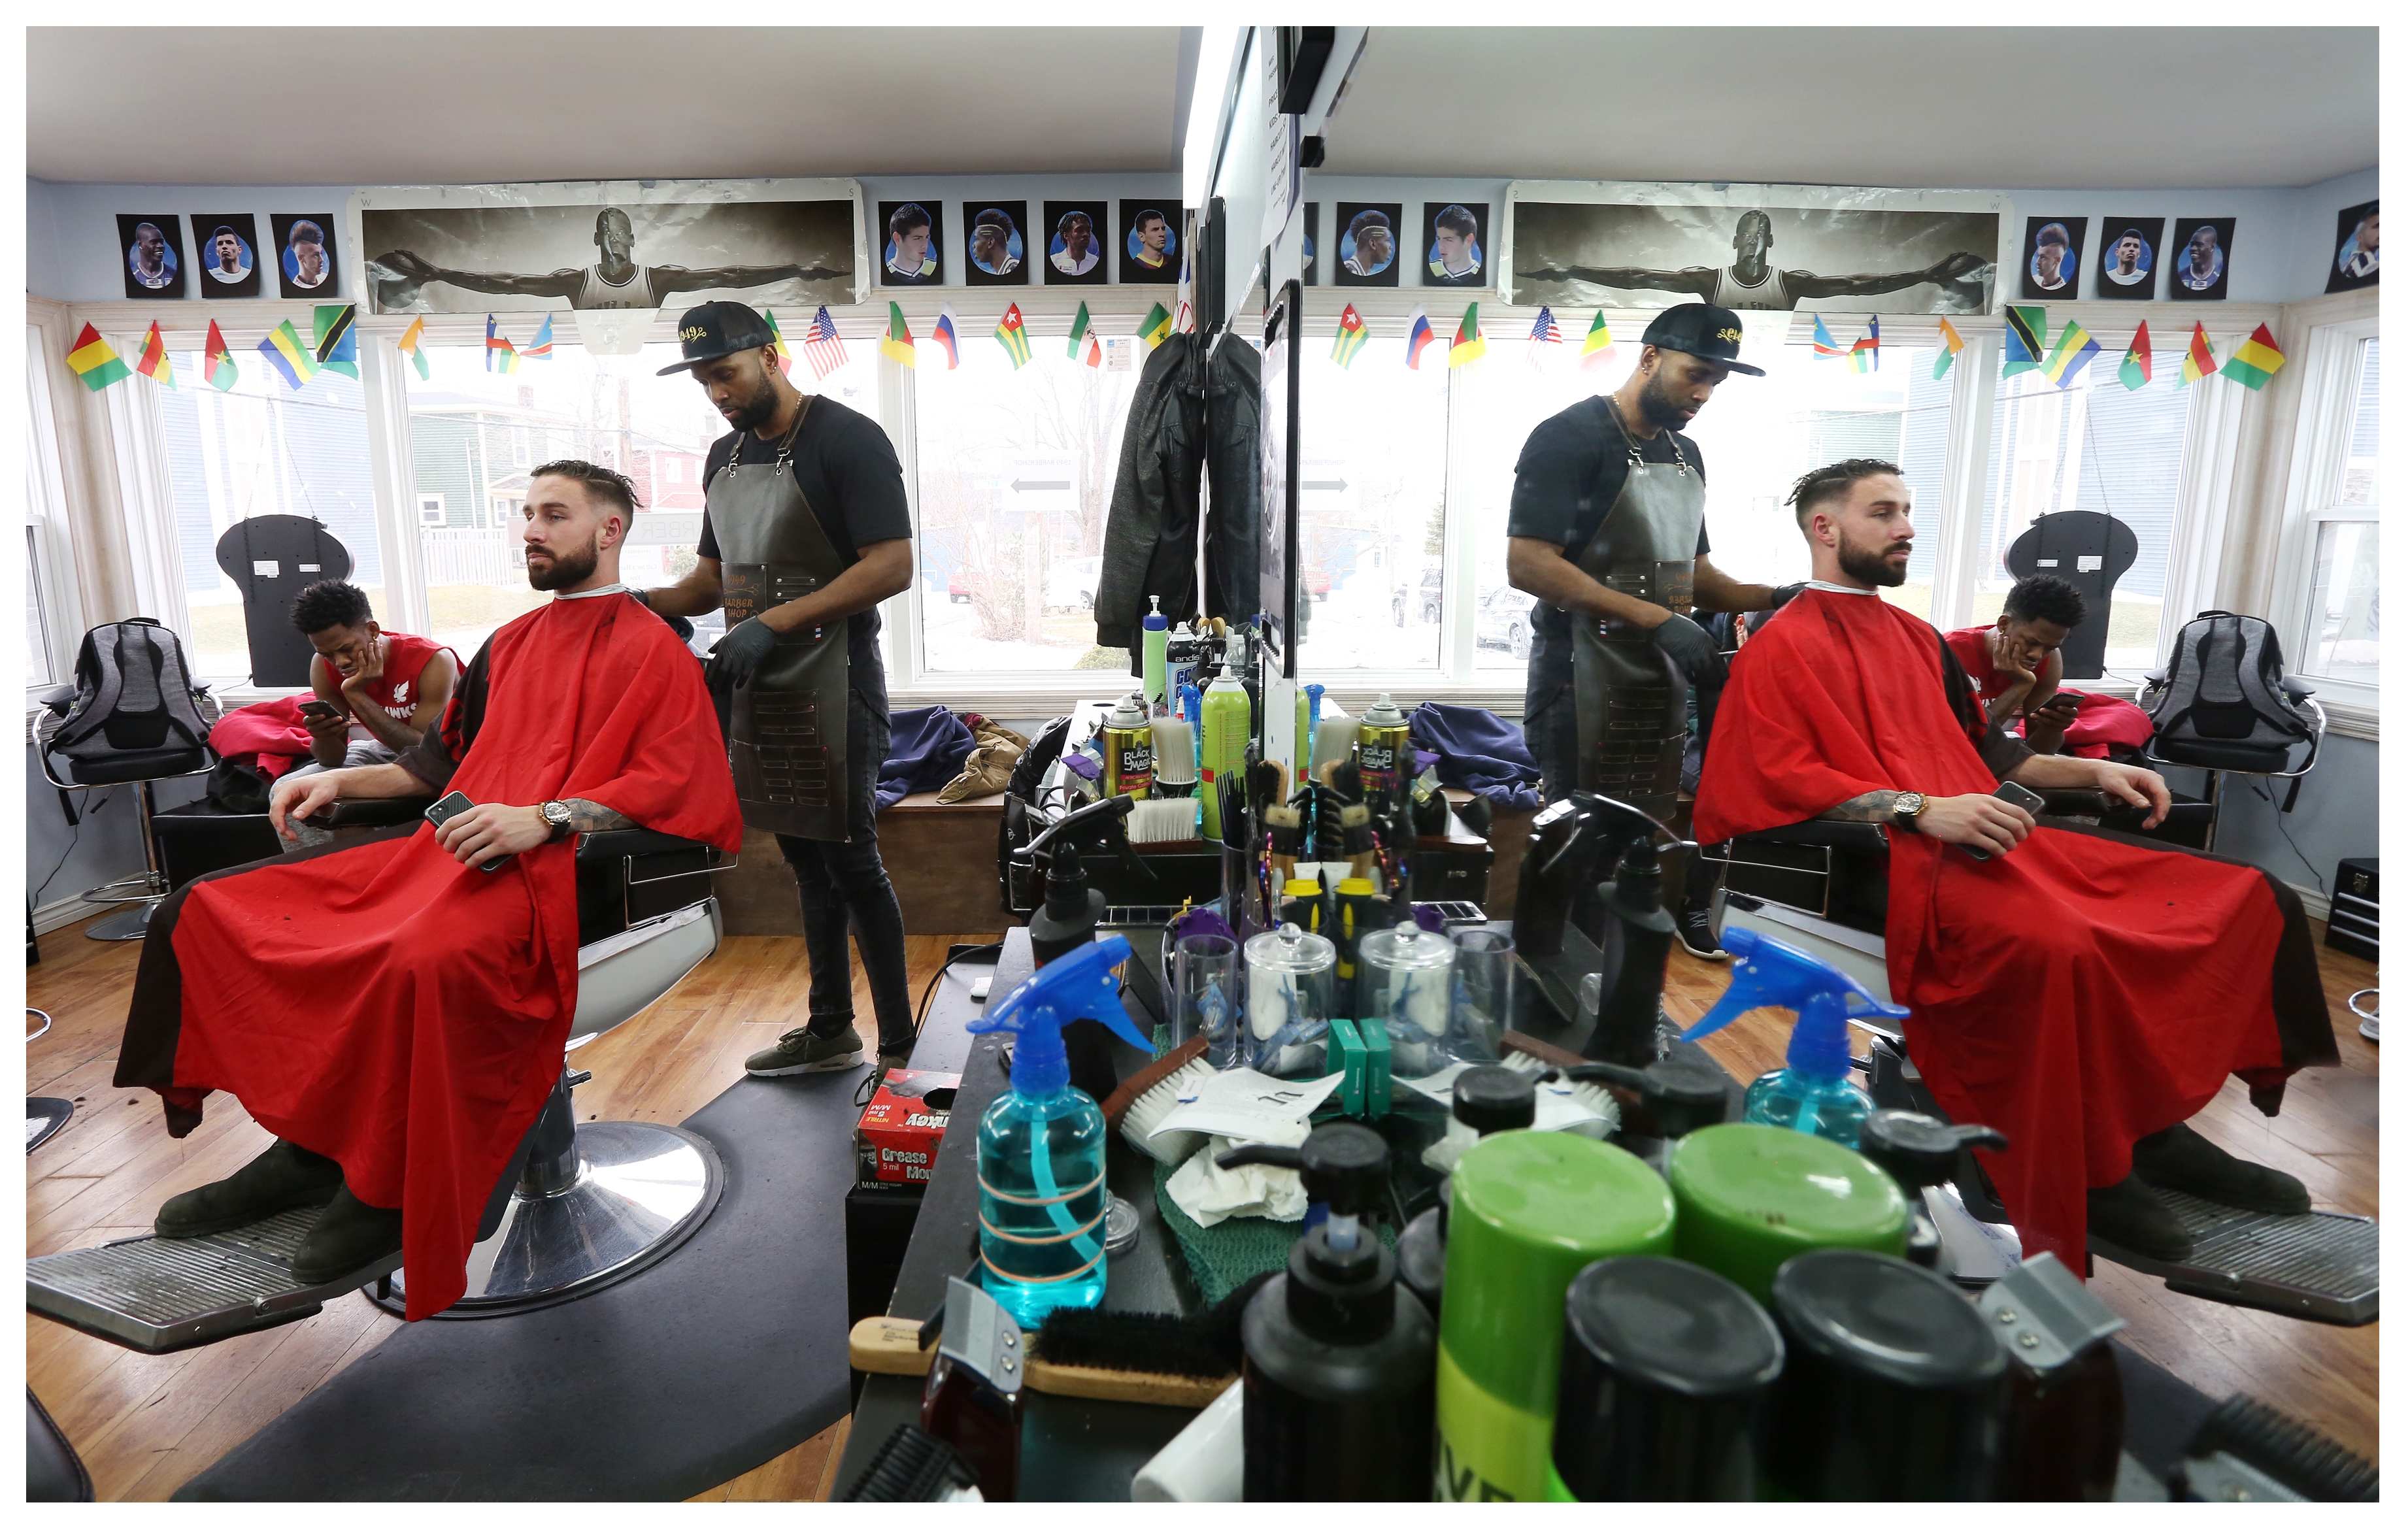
2083,992
393,1011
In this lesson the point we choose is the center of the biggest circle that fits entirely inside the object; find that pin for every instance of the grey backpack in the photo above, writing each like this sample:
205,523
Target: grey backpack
134,693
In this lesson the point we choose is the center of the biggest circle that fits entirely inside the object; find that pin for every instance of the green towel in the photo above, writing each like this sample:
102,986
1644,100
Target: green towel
1227,1256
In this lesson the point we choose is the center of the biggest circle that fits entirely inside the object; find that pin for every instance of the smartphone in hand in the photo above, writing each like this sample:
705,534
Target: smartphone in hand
318,709
452,804
2013,794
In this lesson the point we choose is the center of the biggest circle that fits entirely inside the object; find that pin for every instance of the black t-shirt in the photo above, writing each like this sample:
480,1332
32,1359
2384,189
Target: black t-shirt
1571,470
848,470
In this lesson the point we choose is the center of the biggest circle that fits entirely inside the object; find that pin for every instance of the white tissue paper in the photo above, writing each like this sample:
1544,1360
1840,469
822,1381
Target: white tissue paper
1209,1195
1566,1107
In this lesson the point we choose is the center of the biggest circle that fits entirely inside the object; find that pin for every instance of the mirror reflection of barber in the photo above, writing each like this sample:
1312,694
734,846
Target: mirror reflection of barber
805,529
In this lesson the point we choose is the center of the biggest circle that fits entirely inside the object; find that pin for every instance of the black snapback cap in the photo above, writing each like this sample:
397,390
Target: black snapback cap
1700,329
716,329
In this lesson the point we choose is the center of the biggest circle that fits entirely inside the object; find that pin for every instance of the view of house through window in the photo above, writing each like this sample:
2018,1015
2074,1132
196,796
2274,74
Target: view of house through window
2345,627
1371,496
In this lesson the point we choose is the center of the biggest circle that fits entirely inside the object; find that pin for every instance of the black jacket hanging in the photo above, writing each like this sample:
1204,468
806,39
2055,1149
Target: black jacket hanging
1149,533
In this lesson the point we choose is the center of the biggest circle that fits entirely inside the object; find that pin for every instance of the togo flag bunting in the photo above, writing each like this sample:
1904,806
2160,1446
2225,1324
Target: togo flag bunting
292,358
2198,361
898,346
1950,343
1598,349
92,360
338,344
217,360
2027,339
1469,344
2074,349
1351,337
2255,361
1157,327
1013,336
154,363
411,347
2134,371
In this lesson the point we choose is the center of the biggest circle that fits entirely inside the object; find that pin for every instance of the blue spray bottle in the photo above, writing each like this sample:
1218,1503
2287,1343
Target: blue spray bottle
1813,1092
1040,1145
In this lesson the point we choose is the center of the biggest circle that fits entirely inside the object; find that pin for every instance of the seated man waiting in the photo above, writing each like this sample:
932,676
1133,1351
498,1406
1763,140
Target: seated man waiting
392,1011
2082,992
363,677
2016,665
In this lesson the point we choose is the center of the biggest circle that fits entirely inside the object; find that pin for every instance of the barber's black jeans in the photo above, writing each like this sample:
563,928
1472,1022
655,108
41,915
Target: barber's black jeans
845,883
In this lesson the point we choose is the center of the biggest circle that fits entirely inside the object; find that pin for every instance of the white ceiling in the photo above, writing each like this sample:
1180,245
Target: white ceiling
1990,106
395,105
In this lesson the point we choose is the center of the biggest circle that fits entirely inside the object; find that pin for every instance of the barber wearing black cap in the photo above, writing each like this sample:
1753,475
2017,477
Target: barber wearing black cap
805,529
1607,531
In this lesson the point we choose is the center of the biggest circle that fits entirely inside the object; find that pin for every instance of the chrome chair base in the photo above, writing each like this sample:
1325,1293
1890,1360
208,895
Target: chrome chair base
640,1192
125,926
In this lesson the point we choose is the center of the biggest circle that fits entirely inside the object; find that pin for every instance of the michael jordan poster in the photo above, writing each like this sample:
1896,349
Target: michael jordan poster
1752,249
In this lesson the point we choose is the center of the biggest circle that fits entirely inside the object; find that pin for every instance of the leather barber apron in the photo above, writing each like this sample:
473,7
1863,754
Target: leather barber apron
1631,701
787,726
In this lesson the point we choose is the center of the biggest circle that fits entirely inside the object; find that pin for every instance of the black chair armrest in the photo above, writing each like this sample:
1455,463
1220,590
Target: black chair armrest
636,842
2073,801
2156,674
2296,688
59,701
1853,836
370,813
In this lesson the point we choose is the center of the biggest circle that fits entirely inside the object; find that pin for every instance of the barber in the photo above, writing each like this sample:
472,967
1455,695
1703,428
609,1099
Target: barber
806,528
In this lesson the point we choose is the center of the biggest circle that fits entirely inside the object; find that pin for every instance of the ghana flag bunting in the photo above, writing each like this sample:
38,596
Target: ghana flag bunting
1598,349
1157,327
153,362
947,335
1013,336
2255,361
1418,336
411,347
1352,336
898,346
1078,332
1950,343
1542,332
2027,339
541,348
1864,354
2134,370
292,358
217,360
2075,348
778,342
337,343
2198,361
1826,347
92,360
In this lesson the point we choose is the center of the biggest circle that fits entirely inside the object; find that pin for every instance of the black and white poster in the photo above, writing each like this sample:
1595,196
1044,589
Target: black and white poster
999,249
1312,242
1074,243
642,256
153,253
1752,248
2357,249
2200,262
1455,237
1370,238
911,255
2128,258
1149,245
2052,262
225,254
304,254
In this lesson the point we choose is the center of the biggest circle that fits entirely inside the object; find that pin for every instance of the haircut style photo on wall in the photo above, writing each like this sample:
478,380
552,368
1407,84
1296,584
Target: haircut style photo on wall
2052,262
2128,258
154,260
1074,243
1149,245
1453,240
225,257
1312,242
909,253
2200,258
2357,249
999,254
304,253
1369,236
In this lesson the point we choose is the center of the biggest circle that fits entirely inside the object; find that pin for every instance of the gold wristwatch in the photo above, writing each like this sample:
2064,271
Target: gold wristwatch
1904,808
556,814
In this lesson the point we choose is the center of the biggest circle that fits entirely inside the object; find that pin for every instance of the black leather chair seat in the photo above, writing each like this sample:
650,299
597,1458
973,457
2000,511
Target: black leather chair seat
132,768
2243,757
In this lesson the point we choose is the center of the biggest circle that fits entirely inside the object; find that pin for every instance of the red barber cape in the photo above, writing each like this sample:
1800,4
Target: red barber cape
389,1007
2076,993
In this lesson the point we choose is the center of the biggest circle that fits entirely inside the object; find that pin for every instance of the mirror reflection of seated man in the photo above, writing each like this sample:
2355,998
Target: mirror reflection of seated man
390,1012
2083,992
363,680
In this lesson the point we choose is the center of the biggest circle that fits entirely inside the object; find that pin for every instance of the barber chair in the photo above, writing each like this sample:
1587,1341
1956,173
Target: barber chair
579,1208
1823,888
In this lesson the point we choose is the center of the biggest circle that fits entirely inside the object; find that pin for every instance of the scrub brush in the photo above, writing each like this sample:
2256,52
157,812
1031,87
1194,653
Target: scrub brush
1589,1095
1165,821
1146,1098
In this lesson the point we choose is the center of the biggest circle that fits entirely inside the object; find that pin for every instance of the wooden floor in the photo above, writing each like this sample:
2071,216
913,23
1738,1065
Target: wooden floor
146,1425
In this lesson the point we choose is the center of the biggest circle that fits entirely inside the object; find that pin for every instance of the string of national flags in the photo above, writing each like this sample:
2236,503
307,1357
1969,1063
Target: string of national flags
331,345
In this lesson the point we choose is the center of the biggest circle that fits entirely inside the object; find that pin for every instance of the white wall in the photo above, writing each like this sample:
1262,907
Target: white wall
105,846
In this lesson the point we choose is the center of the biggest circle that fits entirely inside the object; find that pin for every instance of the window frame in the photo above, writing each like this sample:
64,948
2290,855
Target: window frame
49,566
2328,383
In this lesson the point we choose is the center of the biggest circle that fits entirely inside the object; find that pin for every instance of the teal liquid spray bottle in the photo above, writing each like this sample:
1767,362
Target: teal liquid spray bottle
1813,1093
1040,1145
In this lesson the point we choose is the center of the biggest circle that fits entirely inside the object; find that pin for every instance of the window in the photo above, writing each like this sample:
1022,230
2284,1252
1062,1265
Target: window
49,631
430,509
1015,478
1371,532
261,448
2337,636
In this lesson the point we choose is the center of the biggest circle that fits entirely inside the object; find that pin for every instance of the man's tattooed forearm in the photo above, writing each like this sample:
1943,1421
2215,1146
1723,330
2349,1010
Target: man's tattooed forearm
585,816
1872,806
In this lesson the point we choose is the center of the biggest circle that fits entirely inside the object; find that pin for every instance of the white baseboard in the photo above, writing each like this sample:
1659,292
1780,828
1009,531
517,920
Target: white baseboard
67,913
2318,905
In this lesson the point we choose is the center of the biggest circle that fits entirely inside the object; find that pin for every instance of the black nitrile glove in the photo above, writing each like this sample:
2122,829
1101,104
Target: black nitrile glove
739,653
1785,592
1692,651
641,595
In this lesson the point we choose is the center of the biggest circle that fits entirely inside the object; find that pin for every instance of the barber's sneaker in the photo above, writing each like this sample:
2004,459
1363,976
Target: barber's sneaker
799,1052
2183,1160
2129,1215
284,1176
348,1234
1697,929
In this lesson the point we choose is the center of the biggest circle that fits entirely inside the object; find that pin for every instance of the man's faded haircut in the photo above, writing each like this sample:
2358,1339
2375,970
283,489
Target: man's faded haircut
1837,480
600,483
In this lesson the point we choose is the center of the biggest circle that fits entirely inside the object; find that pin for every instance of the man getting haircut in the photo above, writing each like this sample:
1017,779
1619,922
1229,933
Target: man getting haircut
2082,991
391,1011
